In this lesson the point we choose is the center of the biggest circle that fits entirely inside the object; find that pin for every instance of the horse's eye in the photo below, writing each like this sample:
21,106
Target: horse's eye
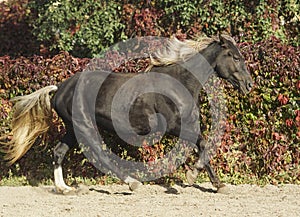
237,59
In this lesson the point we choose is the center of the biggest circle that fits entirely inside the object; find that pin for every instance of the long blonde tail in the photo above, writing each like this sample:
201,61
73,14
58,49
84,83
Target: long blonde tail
31,119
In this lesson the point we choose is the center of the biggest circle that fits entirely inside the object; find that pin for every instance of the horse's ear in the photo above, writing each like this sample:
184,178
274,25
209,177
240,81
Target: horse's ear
225,40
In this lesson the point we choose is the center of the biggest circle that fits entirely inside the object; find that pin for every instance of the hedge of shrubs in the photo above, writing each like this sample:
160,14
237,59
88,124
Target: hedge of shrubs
263,131
44,42
85,28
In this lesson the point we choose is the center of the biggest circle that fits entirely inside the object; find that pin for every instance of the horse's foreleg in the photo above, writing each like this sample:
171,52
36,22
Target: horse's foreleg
192,175
213,177
59,153
203,162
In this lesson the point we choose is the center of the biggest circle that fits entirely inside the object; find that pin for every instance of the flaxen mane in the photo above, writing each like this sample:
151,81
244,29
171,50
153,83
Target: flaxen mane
180,51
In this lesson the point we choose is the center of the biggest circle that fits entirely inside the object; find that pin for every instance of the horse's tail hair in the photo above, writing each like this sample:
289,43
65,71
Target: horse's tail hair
31,118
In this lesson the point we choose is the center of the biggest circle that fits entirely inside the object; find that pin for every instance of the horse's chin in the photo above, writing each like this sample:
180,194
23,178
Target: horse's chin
240,87
243,88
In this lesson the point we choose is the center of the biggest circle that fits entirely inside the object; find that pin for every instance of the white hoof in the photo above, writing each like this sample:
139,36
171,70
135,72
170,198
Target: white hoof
65,190
132,183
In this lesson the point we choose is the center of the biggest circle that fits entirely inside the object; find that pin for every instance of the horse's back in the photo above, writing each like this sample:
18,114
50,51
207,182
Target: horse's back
100,85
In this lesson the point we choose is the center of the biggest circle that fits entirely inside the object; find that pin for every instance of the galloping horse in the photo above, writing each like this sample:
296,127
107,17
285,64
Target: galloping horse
179,60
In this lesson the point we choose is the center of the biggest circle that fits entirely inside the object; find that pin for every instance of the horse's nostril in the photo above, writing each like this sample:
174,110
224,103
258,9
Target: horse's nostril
250,85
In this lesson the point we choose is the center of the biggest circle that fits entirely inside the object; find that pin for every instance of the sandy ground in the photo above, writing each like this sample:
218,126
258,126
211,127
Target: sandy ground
152,200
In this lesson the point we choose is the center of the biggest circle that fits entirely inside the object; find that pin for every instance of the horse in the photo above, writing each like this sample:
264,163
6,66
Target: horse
179,60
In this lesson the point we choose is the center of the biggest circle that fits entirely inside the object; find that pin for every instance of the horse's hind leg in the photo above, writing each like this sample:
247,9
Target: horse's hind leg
59,153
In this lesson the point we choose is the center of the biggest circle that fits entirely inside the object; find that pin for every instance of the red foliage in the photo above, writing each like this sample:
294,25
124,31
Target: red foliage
289,122
146,20
283,99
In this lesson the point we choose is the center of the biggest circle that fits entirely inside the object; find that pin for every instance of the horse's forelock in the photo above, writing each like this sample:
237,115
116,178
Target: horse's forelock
229,38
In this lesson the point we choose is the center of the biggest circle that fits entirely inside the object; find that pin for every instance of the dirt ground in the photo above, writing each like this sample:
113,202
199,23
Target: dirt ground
152,200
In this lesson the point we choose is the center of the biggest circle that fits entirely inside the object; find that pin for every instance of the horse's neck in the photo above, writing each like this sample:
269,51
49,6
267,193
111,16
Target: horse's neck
201,66
211,53
182,74
193,73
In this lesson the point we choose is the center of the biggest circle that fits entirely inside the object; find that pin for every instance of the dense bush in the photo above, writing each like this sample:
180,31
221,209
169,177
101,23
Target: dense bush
83,28
86,28
262,132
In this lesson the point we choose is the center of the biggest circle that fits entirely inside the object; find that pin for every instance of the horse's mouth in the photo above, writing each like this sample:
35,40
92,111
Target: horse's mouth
244,86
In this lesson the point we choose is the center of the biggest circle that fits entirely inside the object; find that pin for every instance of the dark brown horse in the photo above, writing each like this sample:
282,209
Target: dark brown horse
168,103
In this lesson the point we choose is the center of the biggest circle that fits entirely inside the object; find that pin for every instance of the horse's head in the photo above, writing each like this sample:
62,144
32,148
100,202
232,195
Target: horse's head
231,66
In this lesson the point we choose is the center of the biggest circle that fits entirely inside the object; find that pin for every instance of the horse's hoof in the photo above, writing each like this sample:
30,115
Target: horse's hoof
191,176
69,192
65,191
133,186
223,189
132,183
